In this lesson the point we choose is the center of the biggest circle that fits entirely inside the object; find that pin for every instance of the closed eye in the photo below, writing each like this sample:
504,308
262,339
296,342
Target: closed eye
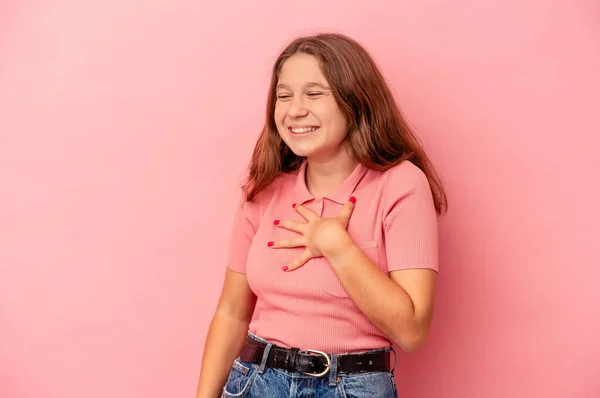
313,94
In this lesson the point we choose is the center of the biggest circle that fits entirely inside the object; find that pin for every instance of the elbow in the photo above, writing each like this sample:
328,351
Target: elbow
410,345
410,341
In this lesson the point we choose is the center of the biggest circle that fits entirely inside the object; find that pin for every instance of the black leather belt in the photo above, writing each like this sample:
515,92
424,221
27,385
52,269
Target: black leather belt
312,362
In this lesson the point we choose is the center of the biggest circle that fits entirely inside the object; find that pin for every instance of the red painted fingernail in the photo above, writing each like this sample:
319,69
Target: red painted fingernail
352,199
276,222
285,268
271,244
294,205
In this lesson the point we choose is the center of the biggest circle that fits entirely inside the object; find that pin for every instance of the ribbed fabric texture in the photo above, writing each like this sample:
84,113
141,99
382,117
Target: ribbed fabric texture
394,223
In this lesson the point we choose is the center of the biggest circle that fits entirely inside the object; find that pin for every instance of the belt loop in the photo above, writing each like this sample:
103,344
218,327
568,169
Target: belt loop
395,359
263,363
290,360
333,370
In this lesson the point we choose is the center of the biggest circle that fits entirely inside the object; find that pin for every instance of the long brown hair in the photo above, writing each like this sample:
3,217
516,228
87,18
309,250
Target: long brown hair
378,135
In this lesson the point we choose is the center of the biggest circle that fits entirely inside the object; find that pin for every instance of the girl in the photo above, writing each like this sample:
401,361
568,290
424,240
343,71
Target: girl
334,247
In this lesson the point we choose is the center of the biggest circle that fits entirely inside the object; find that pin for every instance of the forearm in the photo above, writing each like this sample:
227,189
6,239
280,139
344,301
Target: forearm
385,303
224,342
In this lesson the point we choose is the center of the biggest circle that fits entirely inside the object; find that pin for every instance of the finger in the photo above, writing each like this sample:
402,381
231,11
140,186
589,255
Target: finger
288,243
291,225
305,212
299,262
348,208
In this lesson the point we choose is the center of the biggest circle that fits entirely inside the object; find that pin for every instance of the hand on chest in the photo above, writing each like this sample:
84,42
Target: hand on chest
264,265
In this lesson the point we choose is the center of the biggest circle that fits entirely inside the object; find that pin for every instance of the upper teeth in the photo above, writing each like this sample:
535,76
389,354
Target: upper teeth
303,129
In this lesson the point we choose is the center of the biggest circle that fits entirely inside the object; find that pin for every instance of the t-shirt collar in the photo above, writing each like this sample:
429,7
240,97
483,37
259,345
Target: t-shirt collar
340,195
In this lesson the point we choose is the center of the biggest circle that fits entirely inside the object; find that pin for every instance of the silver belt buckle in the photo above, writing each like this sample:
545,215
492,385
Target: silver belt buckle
327,369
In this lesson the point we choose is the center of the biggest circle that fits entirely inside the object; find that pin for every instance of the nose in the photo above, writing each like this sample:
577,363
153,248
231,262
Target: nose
297,107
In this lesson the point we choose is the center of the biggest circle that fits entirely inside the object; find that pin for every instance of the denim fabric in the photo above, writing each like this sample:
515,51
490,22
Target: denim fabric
255,380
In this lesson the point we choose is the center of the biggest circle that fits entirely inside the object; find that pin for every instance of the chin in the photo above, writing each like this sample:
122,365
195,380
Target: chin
308,149
302,153
311,154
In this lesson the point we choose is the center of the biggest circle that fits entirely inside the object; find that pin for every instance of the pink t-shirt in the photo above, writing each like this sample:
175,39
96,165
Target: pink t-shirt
394,222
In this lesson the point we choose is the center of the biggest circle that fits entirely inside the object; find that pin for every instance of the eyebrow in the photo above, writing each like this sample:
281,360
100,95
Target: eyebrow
311,84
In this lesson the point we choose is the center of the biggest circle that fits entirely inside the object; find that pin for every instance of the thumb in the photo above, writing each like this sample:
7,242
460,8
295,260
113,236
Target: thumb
348,208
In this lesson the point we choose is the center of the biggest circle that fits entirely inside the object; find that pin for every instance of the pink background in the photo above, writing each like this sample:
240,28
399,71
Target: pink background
125,127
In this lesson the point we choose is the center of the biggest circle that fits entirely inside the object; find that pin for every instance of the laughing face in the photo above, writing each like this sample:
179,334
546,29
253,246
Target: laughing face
307,115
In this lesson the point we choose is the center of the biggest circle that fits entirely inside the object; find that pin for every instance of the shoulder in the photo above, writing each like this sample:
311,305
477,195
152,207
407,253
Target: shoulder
408,196
406,178
280,183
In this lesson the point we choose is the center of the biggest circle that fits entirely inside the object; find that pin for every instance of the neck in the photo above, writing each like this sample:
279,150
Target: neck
324,176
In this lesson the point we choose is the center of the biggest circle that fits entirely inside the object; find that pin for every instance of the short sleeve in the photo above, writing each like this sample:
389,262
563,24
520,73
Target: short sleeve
245,224
410,223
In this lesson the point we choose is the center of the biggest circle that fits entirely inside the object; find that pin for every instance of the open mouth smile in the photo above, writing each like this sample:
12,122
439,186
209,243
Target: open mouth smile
303,130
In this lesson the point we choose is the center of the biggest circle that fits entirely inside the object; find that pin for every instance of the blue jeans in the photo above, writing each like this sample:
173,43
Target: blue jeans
250,380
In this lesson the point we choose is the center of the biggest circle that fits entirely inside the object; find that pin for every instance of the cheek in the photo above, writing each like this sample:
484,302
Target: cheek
334,117
279,114
338,127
